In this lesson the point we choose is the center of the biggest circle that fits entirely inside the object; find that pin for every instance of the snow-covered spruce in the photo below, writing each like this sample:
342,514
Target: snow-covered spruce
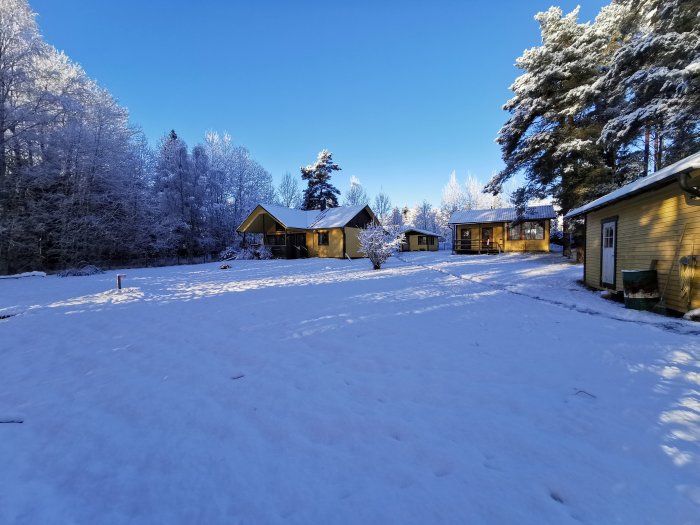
378,243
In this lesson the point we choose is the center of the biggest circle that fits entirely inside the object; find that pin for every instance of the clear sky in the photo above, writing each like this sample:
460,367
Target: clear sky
401,91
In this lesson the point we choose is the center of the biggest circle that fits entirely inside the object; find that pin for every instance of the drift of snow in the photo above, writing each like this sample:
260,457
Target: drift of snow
24,274
440,389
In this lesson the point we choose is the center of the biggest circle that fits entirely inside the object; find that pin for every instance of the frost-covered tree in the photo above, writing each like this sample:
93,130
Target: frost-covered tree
601,104
289,192
320,193
245,182
425,217
382,206
653,81
453,198
396,218
378,243
552,134
72,184
356,194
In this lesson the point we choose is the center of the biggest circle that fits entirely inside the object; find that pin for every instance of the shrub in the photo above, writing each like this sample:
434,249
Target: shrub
379,243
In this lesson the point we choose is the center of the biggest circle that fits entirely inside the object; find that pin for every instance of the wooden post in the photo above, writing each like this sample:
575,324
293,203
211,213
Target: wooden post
119,280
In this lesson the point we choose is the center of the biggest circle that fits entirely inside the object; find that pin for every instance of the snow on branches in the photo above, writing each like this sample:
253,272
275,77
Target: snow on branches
379,243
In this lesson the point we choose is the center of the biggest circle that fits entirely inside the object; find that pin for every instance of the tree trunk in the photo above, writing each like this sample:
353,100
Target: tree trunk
647,137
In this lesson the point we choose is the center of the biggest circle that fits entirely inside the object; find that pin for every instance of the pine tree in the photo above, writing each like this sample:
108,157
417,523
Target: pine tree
320,193
552,134
653,83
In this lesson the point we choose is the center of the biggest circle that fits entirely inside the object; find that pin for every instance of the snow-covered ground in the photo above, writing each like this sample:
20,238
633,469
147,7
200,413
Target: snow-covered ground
442,389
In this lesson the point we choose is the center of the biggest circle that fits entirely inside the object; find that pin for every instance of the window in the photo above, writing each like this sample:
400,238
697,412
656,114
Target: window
608,237
526,231
323,238
274,240
422,240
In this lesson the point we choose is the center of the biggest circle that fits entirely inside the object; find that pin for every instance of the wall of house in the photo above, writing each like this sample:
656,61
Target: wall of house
649,227
530,245
352,242
413,245
498,232
499,236
335,243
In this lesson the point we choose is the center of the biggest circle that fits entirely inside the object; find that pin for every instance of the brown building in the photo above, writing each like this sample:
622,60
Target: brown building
499,230
291,234
651,222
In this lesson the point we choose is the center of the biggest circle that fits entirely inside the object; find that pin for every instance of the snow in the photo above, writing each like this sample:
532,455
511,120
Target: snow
663,176
290,217
337,217
24,274
310,219
501,215
411,229
440,389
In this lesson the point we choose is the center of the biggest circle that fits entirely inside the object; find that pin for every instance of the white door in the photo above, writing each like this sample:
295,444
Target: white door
607,274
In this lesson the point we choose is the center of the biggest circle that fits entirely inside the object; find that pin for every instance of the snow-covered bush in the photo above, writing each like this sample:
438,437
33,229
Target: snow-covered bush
247,253
378,243
228,253
263,252
88,269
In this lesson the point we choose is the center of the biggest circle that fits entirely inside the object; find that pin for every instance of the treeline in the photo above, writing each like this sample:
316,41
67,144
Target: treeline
601,104
79,185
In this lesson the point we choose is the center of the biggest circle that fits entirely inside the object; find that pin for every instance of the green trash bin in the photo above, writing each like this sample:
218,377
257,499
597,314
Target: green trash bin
641,289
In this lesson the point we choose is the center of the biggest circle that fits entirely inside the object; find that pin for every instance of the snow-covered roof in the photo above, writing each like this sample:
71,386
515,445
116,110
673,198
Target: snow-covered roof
336,217
545,211
409,229
290,217
312,219
660,178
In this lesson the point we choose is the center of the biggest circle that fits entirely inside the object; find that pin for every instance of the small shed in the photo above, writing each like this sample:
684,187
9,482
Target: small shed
418,240
501,230
651,222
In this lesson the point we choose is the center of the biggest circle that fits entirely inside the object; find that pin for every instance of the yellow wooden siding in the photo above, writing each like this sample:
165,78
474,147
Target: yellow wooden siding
530,245
649,227
335,243
413,245
499,236
352,242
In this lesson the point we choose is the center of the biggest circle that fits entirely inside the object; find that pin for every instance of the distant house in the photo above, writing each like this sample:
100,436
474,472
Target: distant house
499,230
418,240
654,220
291,234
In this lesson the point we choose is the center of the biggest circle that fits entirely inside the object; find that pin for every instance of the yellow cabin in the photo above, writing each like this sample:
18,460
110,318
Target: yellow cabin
292,234
653,222
499,230
417,240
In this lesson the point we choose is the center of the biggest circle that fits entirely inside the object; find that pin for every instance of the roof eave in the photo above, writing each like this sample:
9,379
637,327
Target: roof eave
653,186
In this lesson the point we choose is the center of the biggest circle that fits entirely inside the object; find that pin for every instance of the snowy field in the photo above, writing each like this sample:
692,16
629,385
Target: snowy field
442,389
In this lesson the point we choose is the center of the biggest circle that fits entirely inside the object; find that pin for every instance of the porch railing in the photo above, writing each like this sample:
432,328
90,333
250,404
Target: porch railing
477,246
284,251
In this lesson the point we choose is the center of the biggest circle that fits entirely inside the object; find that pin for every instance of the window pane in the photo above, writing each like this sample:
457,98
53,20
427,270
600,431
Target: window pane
515,232
533,230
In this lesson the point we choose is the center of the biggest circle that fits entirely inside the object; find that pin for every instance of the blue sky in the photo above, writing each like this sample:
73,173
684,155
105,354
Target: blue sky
402,92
